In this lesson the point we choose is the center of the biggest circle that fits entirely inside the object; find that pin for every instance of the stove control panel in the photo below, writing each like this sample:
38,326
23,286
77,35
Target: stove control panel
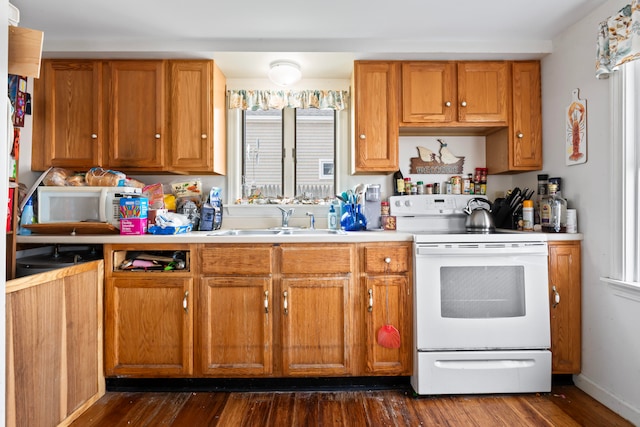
429,204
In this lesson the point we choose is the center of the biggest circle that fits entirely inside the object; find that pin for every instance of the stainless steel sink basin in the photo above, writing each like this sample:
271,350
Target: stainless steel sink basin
316,231
277,232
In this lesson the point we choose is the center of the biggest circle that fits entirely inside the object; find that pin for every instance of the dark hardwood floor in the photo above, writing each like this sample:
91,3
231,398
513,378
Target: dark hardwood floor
566,405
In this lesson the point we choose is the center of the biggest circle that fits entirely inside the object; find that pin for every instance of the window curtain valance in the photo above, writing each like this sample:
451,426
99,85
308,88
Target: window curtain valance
279,99
618,40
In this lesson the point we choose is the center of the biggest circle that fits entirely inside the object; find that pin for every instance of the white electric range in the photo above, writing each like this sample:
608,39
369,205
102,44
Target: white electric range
481,304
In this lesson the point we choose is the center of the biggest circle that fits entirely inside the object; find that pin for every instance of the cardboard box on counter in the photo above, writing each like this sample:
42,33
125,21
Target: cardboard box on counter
133,215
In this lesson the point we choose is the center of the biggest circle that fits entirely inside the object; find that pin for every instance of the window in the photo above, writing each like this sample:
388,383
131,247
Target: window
289,153
625,259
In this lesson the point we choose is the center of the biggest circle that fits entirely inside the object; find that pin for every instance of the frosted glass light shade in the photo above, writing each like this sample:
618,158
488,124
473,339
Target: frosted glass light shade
284,73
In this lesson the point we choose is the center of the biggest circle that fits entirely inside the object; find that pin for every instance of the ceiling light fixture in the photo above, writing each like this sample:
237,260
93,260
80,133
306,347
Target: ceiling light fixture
284,73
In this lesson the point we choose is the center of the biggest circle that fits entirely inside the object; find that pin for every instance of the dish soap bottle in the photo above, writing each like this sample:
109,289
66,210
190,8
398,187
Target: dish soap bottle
332,219
26,218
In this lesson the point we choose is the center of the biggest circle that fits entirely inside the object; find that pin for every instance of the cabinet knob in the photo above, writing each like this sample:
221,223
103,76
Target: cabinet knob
520,135
203,136
94,136
463,103
362,136
447,104
157,135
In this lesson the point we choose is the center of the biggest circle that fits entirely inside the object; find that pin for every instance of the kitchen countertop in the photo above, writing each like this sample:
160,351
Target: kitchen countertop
206,237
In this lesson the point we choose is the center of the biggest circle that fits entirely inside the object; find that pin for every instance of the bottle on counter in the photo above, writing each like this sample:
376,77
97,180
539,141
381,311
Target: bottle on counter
543,182
557,211
27,217
332,218
407,186
527,215
398,183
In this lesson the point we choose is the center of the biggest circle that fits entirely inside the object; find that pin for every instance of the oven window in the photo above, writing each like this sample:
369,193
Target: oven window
482,292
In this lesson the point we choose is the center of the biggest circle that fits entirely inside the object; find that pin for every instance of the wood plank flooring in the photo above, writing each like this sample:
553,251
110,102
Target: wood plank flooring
566,405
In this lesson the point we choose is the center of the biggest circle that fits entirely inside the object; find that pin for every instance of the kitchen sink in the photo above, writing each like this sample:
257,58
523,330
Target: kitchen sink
277,232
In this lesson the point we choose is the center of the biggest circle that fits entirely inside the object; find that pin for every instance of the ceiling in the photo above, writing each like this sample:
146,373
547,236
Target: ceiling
324,37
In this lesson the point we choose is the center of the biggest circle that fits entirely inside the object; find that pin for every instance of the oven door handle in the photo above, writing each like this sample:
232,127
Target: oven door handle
482,250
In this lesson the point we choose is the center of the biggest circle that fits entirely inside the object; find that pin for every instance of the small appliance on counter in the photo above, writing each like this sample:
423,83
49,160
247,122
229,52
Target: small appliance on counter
76,204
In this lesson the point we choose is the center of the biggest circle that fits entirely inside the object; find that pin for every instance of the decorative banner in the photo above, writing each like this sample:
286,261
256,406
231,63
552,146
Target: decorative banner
576,147
428,162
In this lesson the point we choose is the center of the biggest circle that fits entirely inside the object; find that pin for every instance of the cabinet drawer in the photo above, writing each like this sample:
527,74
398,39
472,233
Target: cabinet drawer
320,259
374,259
237,259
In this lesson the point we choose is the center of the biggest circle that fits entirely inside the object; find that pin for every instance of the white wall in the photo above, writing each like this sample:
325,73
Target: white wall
610,348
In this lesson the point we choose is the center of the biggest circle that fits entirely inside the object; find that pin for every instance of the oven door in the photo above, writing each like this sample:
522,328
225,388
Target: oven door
480,296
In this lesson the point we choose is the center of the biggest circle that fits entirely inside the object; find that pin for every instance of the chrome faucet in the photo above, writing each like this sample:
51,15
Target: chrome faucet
286,214
312,225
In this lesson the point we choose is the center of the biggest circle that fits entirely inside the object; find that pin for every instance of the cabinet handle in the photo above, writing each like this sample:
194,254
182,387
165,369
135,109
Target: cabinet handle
157,136
363,136
520,135
447,104
185,302
266,302
286,303
463,103
94,136
203,136
370,307
556,297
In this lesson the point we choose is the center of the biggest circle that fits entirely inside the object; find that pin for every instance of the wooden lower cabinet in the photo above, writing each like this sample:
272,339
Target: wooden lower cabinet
148,325
54,345
148,317
565,305
263,310
386,288
315,291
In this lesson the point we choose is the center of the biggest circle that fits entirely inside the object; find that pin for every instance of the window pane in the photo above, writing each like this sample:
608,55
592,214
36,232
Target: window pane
262,151
315,153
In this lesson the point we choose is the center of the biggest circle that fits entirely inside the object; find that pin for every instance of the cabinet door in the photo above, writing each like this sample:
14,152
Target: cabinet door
136,94
315,326
565,293
68,117
526,127
54,345
389,303
236,321
196,91
428,92
375,106
149,325
483,92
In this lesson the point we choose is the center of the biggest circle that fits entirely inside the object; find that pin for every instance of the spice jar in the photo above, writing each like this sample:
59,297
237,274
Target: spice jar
385,208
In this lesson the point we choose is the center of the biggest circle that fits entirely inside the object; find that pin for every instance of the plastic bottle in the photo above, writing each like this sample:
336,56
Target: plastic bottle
527,215
332,219
26,218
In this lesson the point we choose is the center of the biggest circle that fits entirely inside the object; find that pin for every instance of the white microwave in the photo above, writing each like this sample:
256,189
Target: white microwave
74,204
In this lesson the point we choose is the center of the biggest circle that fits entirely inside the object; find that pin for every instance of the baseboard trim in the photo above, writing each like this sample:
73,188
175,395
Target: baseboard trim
256,384
608,399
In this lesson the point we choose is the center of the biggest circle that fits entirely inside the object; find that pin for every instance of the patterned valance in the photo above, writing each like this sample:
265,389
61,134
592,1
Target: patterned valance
618,40
279,99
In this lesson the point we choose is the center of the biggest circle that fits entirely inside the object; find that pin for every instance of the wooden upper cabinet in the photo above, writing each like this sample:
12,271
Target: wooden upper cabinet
483,92
518,147
455,94
428,92
136,120
68,115
198,114
375,122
